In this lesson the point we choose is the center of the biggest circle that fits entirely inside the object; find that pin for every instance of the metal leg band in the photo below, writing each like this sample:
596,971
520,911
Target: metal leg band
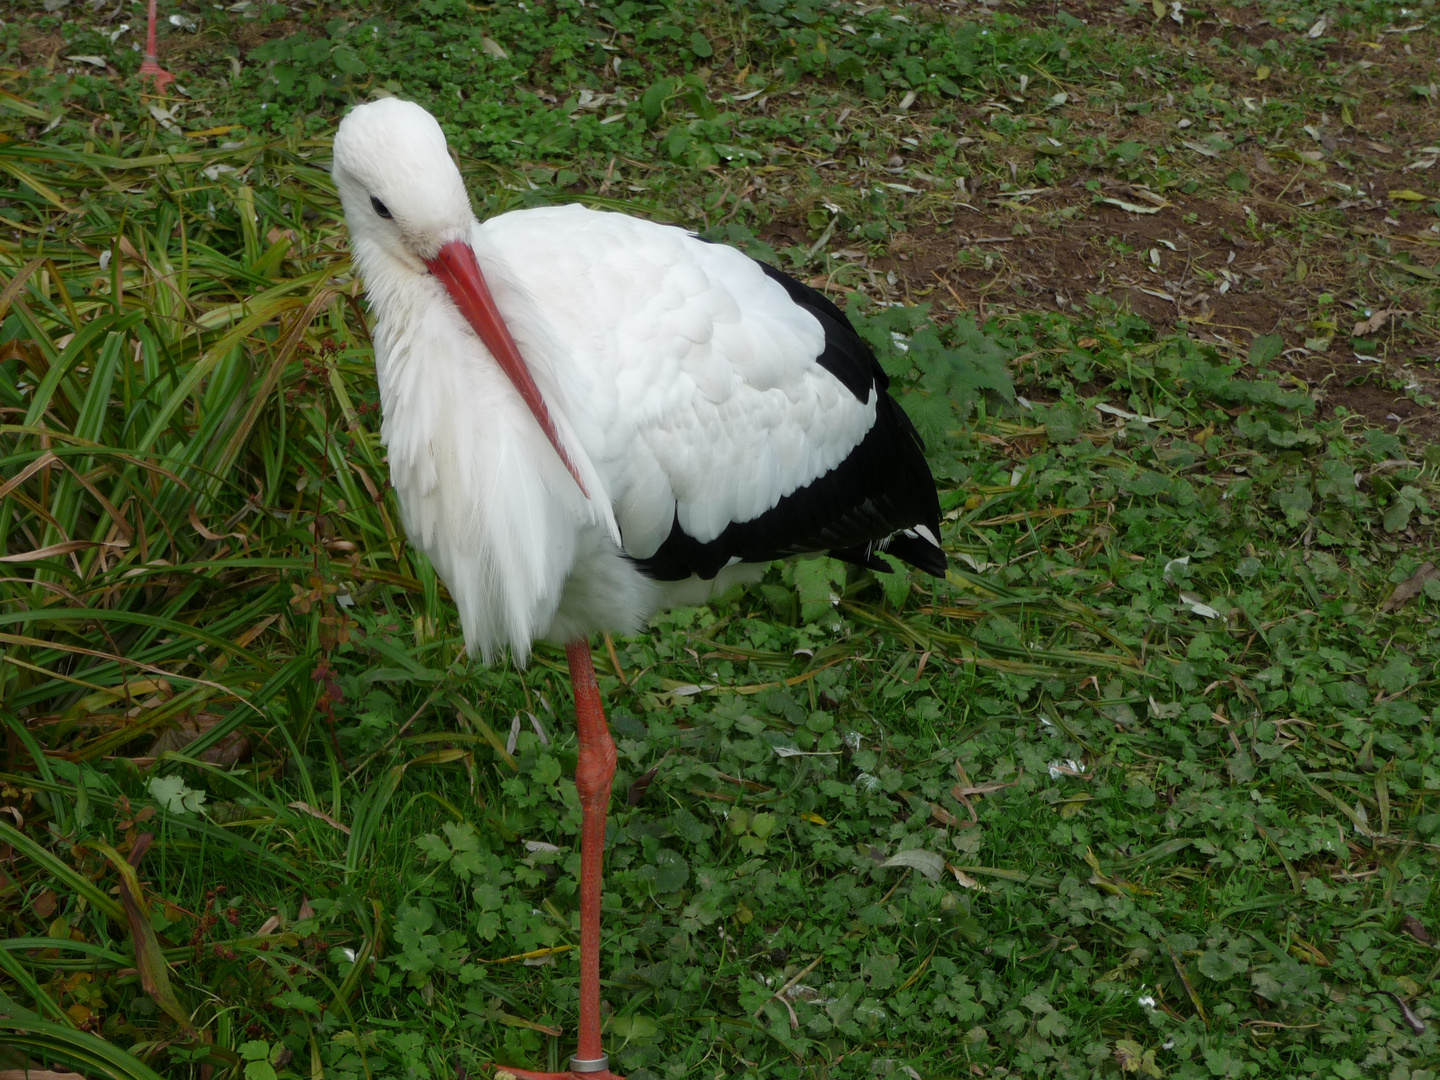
590,1065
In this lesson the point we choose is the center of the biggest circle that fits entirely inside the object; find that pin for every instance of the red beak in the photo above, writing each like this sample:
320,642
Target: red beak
457,270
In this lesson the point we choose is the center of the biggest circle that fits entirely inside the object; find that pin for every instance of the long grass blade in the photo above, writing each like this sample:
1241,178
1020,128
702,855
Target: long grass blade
79,1049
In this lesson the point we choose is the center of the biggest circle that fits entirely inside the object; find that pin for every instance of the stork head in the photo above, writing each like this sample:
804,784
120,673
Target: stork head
408,214
402,194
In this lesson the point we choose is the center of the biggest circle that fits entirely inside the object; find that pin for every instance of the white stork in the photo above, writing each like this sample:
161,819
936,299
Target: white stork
590,416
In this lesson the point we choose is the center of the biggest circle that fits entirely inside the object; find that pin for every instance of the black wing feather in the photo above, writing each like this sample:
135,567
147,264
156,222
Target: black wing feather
872,501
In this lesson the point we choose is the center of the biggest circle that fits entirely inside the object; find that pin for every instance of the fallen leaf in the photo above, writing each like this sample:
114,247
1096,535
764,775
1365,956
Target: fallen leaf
1194,603
230,750
1129,207
1416,929
491,47
521,1022
1410,587
1318,27
1419,271
535,954
943,816
927,862
44,905
1262,72
1200,148
211,132
1154,199
165,118
1112,410
1406,195
149,959
979,789
965,880
640,786
306,808
1375,322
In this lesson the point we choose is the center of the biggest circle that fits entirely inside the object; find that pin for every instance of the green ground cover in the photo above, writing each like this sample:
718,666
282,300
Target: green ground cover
1147,787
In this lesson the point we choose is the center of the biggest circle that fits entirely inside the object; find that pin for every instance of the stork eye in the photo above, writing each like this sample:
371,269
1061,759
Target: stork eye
380,208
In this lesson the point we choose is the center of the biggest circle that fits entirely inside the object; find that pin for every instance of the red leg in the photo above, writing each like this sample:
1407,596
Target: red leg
593,774
149,66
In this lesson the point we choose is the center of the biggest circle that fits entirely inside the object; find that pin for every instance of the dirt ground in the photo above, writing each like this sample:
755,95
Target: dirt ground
1331,241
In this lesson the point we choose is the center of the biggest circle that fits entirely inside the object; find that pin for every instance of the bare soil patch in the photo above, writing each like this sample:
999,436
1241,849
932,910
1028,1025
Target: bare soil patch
1305,231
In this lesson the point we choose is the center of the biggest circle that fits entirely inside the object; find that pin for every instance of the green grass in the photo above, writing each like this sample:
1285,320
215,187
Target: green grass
1084,809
